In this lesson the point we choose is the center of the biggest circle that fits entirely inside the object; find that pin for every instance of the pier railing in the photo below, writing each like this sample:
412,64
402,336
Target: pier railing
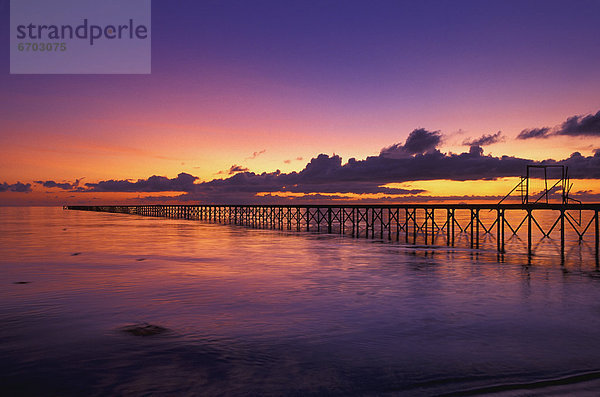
402,222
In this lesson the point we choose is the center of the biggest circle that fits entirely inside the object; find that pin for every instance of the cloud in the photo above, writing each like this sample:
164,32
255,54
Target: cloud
256,154
232,170
415,160
289,161
236,168
327,174
588,125
183,183
580,166
476,151
485,140
15,187
543,132
71,186
419,141
581,125
62,185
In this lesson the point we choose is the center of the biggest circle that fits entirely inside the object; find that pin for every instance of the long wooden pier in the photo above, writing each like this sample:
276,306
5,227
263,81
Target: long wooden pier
402,222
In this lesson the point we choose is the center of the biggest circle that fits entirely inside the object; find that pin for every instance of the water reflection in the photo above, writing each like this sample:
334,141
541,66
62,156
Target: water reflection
261,312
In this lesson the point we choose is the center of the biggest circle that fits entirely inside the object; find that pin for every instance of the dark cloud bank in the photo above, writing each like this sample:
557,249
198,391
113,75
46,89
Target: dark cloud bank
74,187
485,140
416,160
543,132
15,187
588,125
183,183
325,177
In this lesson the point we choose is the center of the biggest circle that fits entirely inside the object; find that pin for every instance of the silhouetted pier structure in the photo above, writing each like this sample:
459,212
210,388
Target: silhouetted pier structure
427,224
416,223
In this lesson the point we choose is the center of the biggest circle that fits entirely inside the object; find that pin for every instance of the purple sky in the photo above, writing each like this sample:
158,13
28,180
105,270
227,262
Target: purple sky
296,79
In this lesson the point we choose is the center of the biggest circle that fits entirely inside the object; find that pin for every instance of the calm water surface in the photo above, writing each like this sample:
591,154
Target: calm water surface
259,312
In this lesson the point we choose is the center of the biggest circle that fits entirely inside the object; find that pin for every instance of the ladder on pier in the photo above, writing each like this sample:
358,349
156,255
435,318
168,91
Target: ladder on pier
562,184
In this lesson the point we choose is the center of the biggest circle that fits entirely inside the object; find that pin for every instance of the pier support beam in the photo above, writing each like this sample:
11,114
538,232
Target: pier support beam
597,238
477,222
432,226
499,236
529,231
425,225
472,228
414,225
562,235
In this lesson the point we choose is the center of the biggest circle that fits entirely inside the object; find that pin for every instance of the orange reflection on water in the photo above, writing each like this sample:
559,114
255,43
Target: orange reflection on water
260,307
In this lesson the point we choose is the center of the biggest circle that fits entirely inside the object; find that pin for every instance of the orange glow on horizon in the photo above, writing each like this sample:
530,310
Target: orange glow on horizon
434,191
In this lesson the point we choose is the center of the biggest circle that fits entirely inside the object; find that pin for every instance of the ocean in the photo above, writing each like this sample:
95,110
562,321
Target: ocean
99,304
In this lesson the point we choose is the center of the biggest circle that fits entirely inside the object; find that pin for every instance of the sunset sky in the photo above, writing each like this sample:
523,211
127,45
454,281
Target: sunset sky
421,94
